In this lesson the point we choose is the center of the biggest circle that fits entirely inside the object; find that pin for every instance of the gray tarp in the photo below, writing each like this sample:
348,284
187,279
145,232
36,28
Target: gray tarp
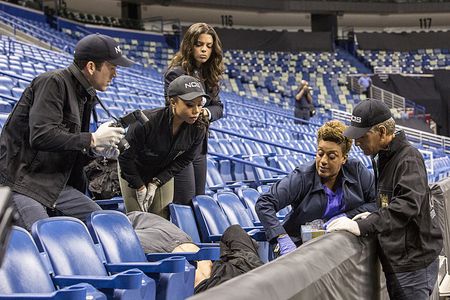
335,266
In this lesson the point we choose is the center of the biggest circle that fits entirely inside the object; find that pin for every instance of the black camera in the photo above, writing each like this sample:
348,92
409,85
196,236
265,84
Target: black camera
126,121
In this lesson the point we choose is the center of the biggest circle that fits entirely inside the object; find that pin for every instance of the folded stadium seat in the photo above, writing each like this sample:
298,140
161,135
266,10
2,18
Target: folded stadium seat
225,170
74,257
262,175
7,82
121,245
214,180
114,203
183,217
235,210
17,92
3,118
249,196
213,221
237,213
25,275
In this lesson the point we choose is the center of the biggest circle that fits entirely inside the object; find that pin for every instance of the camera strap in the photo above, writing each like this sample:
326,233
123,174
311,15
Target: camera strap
89,88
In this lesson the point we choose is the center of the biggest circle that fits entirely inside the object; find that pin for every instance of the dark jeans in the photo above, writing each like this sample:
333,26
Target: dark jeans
415,285
71,202
301,113
190,181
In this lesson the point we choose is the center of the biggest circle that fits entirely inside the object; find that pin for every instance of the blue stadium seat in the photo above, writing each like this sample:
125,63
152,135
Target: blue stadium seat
74,257
183,217
249,196
24,275
234,209
114,232
213,221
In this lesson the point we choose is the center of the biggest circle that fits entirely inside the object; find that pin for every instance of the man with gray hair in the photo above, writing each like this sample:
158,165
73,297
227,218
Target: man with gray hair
409,238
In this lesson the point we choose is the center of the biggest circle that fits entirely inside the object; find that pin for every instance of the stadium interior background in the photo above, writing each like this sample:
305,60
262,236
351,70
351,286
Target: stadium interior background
269,47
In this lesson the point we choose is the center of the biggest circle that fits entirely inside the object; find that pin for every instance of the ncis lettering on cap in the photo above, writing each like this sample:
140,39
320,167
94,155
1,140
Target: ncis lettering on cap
355,119
187,88
367,114
195,84
100,47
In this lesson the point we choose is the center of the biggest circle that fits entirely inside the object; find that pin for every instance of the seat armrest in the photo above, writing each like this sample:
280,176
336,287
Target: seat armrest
72,292
207,253
130,279
174,264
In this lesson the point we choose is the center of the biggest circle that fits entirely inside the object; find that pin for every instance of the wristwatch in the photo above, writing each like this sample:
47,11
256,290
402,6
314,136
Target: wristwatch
156,181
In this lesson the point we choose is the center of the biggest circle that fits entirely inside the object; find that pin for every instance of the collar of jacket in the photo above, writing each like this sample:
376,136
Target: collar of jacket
396,144
343,175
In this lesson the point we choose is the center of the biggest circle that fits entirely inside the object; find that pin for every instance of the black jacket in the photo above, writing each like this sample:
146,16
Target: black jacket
44,142
408,232
303,190
214,105
238,255
154,152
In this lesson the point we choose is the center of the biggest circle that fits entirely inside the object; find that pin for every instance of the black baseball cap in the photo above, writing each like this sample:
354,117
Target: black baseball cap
187,88
100,47
367,114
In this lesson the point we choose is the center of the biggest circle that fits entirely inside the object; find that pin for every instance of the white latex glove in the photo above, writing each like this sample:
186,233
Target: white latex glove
151,189
361,216
140,196
344,223
110,152
105,135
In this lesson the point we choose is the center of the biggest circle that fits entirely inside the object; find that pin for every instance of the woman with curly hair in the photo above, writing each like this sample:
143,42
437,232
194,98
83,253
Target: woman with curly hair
200,56
331,186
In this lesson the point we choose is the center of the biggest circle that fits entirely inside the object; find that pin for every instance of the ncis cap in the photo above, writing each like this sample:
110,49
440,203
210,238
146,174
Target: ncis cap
367,114
100,47
187,88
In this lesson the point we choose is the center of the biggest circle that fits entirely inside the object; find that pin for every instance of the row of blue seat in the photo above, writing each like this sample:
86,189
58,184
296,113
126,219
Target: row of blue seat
108,256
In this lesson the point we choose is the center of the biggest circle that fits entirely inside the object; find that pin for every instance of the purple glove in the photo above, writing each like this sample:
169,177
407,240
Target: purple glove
286,244
325,225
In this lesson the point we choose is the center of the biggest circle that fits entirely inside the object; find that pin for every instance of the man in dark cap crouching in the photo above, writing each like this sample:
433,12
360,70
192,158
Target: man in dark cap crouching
46,142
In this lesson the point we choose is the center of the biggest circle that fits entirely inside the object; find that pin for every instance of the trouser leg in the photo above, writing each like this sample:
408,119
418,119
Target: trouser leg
71,202
128,194
184,186
200,174
28,210
163,197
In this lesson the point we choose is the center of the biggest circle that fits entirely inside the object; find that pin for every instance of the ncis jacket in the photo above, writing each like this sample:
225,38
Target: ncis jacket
154,152
45,139
408,233
303,190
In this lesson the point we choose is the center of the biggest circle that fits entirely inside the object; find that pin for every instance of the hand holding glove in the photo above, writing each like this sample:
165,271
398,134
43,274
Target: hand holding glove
145,196
286,244
140,197
106,136
151,189
361,216
344,223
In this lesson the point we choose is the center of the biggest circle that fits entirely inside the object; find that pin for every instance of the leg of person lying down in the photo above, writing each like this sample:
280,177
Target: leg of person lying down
157,235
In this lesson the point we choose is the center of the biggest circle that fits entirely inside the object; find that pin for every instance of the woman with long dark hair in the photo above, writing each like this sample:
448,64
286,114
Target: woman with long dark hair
200,56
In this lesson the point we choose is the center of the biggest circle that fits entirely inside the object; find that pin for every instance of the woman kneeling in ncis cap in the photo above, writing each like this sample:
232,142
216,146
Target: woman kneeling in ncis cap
162,147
